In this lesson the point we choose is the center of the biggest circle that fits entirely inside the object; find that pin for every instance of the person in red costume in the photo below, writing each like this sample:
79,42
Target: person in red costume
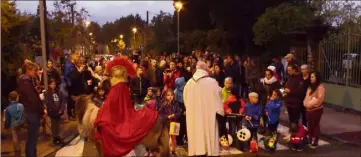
119,127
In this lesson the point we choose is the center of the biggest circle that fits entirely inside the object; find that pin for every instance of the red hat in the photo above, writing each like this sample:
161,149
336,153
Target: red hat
123,62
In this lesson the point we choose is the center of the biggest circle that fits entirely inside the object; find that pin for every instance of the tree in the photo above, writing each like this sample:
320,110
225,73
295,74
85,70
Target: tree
67,24
13,26
217,40
95,30
276,22
123,26
161,36
232,16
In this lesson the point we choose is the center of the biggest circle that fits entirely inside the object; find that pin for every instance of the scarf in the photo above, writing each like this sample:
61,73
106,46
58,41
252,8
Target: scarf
270,81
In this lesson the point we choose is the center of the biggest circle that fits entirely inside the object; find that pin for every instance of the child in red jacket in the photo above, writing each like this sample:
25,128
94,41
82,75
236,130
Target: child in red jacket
234,107
298,137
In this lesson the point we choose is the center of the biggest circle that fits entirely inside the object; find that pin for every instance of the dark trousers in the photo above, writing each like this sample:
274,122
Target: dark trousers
314,118
253,135
235,124
33,131
303,116
70,106
294,114
55,127
273,127
182,130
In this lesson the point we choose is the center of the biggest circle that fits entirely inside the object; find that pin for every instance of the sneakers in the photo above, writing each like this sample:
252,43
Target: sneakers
299,149
313,146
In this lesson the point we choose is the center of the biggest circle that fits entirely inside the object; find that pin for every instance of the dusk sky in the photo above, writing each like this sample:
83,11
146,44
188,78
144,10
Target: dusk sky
103,11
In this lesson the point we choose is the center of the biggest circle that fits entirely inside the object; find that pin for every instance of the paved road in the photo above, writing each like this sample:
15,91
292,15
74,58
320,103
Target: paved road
329,148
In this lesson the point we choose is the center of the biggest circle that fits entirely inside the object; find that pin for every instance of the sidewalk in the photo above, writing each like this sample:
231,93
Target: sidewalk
45,141
336,124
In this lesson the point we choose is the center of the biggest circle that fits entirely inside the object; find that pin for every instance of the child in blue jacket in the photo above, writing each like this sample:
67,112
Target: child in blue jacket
14,118
273,111
253,112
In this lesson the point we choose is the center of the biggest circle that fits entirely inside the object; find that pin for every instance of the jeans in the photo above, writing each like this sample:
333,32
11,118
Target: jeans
55,127
15,134
33,132
314,118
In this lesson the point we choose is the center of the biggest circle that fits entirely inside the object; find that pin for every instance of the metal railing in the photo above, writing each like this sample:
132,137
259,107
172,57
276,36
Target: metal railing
339,60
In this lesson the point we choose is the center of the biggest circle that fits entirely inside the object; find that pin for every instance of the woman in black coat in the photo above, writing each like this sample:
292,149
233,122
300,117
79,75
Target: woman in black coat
219,75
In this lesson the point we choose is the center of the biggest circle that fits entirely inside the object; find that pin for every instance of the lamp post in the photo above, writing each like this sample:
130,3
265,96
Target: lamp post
121,36
178,6
134,31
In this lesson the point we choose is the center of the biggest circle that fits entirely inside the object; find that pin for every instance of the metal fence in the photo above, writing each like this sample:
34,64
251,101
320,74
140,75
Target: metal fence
339,60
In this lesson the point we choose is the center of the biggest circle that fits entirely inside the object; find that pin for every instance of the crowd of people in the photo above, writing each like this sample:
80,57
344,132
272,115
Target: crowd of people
246,89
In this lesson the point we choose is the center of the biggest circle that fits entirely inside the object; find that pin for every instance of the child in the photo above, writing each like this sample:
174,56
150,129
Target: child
252,112
14,118
234,105
99,97
150,99
170,109
55,104
226,90
150,94
298,137
273,110
270,141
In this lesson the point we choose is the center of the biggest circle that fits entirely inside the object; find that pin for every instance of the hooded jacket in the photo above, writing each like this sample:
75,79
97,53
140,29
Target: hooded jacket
55,102
273,108
179,86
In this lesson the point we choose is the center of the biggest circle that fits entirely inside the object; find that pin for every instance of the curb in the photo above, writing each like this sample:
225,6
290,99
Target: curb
67,140
333,137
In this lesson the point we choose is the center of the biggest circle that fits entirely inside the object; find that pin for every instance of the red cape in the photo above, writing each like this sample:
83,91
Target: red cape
119,126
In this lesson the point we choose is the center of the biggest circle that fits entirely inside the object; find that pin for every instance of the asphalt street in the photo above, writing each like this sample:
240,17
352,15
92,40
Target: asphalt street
327,148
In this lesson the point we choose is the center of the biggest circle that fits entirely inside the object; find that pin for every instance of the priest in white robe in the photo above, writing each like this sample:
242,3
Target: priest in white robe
203,100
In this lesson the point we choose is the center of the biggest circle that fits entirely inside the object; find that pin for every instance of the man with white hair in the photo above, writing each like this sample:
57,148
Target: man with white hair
306,83
203,101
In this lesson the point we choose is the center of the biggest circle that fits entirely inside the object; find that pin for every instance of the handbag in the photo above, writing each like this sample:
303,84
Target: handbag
174,128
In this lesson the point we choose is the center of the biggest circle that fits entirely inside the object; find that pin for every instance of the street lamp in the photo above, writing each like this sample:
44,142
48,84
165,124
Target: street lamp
87,23
121,36
134,31
178,6
90,33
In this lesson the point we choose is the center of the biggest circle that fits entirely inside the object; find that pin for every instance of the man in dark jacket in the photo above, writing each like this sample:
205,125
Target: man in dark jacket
294,93
139,86
33,106
232,70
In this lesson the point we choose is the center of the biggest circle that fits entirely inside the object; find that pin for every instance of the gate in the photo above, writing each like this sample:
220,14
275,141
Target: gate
339,60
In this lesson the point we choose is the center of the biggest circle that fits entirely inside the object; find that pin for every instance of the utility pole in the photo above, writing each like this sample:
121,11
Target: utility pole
46,31
43,41
146,31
